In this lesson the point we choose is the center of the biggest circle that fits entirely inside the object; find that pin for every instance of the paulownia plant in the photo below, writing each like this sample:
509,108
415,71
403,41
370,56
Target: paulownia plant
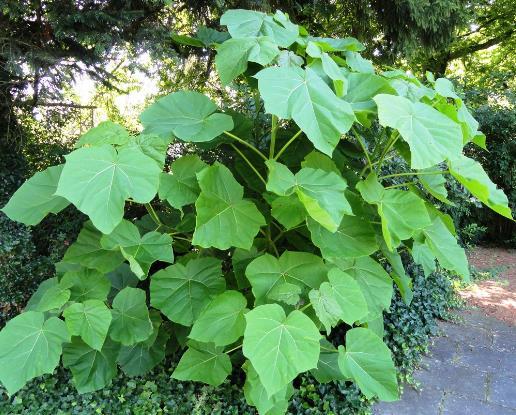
253,261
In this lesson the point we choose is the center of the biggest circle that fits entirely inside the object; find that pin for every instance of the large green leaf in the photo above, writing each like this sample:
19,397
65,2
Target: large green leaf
256,395
321,192
224,218
140,358
50,295
435,185
120,278
348,295
354,237
303,269
89,320
91,369
98,180
131,322
152,145
222,321
86,284
88,252
288,210
29,347
35,199
182,291
107,132
375,283
471,174
328,367
188,115
402,213
368,361
180,187
203,362
233,55
325,306
432,136
290,92
280,347
248,23
140,251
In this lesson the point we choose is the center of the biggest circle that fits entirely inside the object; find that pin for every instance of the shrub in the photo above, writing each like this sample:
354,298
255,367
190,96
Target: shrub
284,276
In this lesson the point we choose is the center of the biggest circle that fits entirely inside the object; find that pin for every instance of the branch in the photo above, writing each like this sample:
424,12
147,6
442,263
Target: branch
467,50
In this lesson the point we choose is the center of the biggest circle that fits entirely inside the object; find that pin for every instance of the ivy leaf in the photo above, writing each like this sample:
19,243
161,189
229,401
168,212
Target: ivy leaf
188,115
256,395
328,368
141,252
247,23
325,306
98,180
106,132
140,358
181,292
180,188
354,237
35,198
88,252
368,360
432,136
222,321
203,362
290,92
233,55
347,293
303,269
224,218
50,295
91,369
320,192
403,213
30,346
280,347
86,284
374,282
131,323
474,178
89,320
120,278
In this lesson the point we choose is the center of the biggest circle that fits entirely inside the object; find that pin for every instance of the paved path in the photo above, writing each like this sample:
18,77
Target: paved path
471,370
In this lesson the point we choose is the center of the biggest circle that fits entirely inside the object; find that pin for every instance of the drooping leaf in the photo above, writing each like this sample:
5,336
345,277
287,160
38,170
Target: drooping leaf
248,23
107,132
328,367
423,255
151,145
35,198
224,218
50,295
30,346
325,305
222,321
303,269
131,322
88,252
210,36
91,369
340,81
188,115
86,284
280,347
434,184
140,251
90,320
180,187
288,210
354,237
471,174
445,88
358,64
182,291
98,180
347,292
432,136
203,362
233,55
368,360
398,274
302,95
120,278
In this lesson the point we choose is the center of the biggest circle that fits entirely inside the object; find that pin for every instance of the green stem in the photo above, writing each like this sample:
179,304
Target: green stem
152,213
245,143
400,184
233,349
413,173
182,239
362,144
388,147
289,142
305,307
248,162
274,131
